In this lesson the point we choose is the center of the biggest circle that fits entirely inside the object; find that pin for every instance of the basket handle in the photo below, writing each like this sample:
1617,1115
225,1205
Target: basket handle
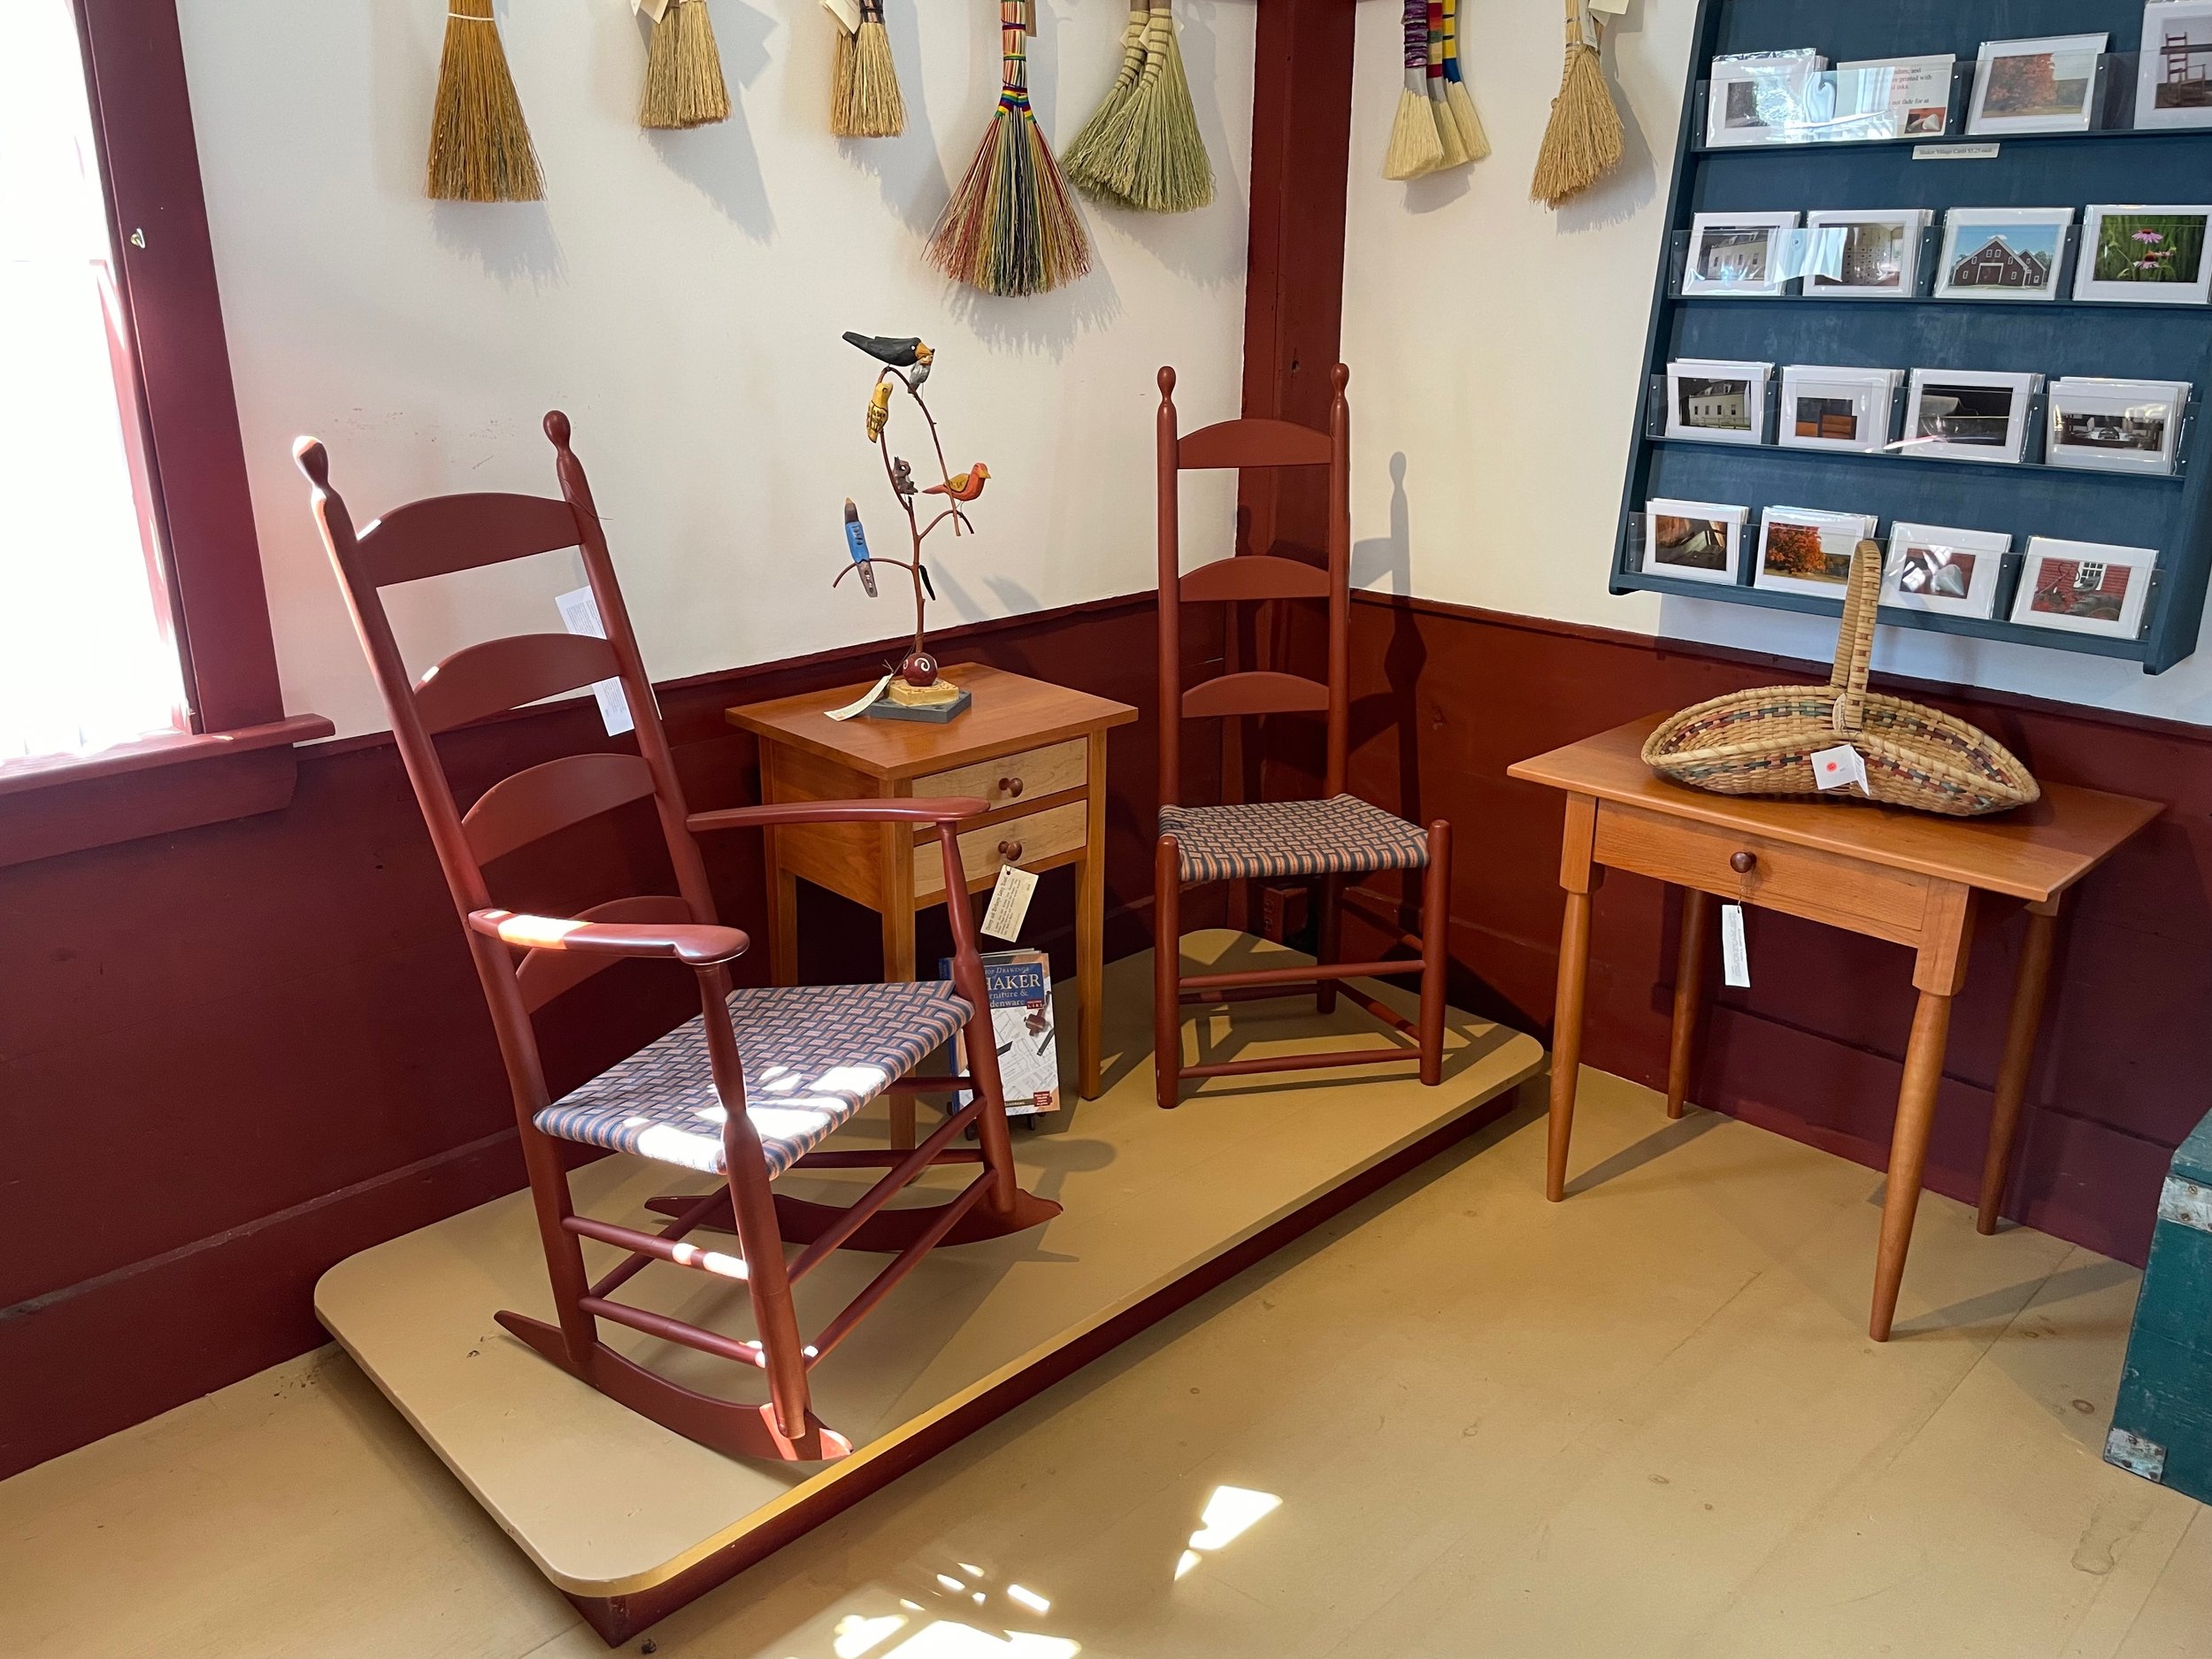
1854,641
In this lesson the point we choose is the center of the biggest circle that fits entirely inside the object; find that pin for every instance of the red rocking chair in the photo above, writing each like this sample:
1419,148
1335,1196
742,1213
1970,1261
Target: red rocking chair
747,1091
1334,838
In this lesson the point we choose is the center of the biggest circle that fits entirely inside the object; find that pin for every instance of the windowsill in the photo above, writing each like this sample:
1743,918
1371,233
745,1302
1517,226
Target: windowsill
68,803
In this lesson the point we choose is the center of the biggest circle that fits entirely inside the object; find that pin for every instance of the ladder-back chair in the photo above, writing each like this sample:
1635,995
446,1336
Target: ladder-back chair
748,1090
1334,838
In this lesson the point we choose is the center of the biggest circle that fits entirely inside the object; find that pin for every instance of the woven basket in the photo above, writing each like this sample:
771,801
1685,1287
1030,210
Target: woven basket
1763,741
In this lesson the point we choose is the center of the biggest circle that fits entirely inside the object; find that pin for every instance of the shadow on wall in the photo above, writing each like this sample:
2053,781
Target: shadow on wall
1387,562
721,162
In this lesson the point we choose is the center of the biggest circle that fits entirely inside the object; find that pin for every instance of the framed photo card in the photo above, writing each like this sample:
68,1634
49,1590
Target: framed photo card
2047,85
1747,254
1969,415
2173,76
2144,255
1837,408
1900,98
2115,425
1932,567
1698,541
1857,253
1716,401
2003,253
2084,587
1805,552
1763,98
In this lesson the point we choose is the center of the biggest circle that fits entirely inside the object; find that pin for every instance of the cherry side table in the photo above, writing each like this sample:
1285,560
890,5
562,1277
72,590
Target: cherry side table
1906,877
1035,752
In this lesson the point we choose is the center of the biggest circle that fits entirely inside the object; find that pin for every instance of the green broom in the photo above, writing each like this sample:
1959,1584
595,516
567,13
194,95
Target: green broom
479,145
1415,146
1456,98
1088,160
1440,109
1163,168
1009,228
1585,139
683,71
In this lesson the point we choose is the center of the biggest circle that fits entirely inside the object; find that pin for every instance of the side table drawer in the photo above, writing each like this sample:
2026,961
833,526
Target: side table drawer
1012,778
1021,841
1776,875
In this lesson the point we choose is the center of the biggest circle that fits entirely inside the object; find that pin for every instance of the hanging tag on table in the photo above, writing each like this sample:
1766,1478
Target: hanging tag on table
846,11
1840,768
1010,904
651,8
579,614
864,701
1735,955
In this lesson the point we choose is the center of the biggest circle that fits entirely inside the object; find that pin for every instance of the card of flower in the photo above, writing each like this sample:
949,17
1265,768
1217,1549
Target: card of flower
1698,541
2173,84
1806,552
2046,84
2084,586
1969,415
1747,254
2144,254
1932,567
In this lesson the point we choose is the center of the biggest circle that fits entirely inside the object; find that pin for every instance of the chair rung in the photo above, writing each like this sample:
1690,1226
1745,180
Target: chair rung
721,1265
928,1085
1300,1062
670,1330
1294,976
878,1157
1381,1010
874,1291
1251,992
1381,915
894,1180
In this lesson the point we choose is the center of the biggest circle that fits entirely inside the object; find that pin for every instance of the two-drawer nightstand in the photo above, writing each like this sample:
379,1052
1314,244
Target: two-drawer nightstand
1035,752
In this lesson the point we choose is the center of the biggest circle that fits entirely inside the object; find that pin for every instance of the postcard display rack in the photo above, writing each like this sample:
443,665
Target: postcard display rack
2115,161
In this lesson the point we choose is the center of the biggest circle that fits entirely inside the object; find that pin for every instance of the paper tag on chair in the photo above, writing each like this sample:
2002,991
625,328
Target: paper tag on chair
1735,955
1010,904
579,614
1840,768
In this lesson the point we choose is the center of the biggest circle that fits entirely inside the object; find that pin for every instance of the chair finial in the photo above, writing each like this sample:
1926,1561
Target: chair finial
313,460
557,428
1340,377
1167,382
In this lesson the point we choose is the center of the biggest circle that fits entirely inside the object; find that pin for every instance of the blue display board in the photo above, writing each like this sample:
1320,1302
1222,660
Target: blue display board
2054,338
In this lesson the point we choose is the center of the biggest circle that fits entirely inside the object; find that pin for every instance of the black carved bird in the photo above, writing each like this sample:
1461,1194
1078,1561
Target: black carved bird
908,353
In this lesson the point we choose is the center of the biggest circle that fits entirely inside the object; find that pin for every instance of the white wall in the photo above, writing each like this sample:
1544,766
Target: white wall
1496,352
680,294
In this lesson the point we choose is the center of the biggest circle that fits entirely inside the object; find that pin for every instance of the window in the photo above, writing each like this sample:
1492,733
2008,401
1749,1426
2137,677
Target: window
88,656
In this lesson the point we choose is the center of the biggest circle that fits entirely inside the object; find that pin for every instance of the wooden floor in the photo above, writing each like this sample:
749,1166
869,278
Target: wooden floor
1455,1422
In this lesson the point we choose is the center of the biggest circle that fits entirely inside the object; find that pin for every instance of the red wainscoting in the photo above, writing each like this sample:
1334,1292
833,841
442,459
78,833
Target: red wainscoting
1448,697
233,1056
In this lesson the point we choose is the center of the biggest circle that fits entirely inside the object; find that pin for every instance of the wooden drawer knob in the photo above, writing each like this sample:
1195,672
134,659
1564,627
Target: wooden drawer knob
1743,864
1010,851
1010,787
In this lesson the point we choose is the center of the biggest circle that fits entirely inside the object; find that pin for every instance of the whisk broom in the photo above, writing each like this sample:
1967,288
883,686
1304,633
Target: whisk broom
1456,98
1088,159
1009,228
683,71
1440,109
864,98
1415,146
1164,167
1584,139
479,145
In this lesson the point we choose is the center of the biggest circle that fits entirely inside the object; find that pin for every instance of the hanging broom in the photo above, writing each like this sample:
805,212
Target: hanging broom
479,145
1440,111
876,109
1088,159
847,17
683,71
1461,101
1010,227
1165,168
1584,140
1415,147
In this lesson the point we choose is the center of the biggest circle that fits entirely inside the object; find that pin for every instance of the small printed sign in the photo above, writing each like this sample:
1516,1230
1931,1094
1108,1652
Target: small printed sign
1735,955
1956,152
1841,767
579,614
1010,904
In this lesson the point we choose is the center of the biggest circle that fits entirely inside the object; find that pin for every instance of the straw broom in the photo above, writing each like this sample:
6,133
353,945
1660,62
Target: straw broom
875,109
683,71
479,145
1584,140
1415,146
1456,98
1440,111
1164,167
1088,159
1009,228
842,71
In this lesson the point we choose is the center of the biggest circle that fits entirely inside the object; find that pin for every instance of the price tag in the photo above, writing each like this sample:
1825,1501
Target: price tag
1956,152
1735,957
863,703
846,11
1840,768
1010,904
651,8
579,614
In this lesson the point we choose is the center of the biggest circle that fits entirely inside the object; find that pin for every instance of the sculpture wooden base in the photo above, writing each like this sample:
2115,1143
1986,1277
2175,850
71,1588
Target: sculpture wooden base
630,1521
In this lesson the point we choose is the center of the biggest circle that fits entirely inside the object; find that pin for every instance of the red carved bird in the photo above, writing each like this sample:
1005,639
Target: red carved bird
962,486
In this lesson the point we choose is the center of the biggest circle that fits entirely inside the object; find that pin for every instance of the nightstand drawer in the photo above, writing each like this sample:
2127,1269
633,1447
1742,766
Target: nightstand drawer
1014,777
1021,841
1776,875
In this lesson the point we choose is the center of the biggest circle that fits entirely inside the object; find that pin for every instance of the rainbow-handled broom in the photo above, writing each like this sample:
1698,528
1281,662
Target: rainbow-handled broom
1415,146
1456,98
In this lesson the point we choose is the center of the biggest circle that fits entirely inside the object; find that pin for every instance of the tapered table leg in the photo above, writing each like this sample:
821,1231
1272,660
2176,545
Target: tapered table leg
1909,1153
2028,990
1689,986
1566,1040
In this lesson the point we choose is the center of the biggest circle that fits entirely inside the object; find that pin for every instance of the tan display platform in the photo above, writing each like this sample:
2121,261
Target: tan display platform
630,1521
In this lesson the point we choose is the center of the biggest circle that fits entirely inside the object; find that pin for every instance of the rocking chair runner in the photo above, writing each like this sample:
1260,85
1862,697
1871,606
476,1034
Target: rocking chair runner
812,1057
1334,838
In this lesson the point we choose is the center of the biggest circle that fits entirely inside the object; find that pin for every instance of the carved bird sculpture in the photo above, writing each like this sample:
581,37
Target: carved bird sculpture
878,409
901,475
907,352
962,486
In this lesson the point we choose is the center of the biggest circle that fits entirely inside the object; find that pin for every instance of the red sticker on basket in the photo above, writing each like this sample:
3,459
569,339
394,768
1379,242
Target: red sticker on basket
1840,768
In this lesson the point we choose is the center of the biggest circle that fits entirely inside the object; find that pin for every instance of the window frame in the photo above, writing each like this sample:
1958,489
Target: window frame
235,759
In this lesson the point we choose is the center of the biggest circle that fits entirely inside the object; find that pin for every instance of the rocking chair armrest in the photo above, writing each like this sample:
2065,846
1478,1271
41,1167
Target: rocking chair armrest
921,809
694,944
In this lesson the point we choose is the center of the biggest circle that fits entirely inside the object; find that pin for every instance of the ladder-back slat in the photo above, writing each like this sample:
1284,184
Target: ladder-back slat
550,797
1255,576
1253,442
543,975
459,533
1255,691
495,675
